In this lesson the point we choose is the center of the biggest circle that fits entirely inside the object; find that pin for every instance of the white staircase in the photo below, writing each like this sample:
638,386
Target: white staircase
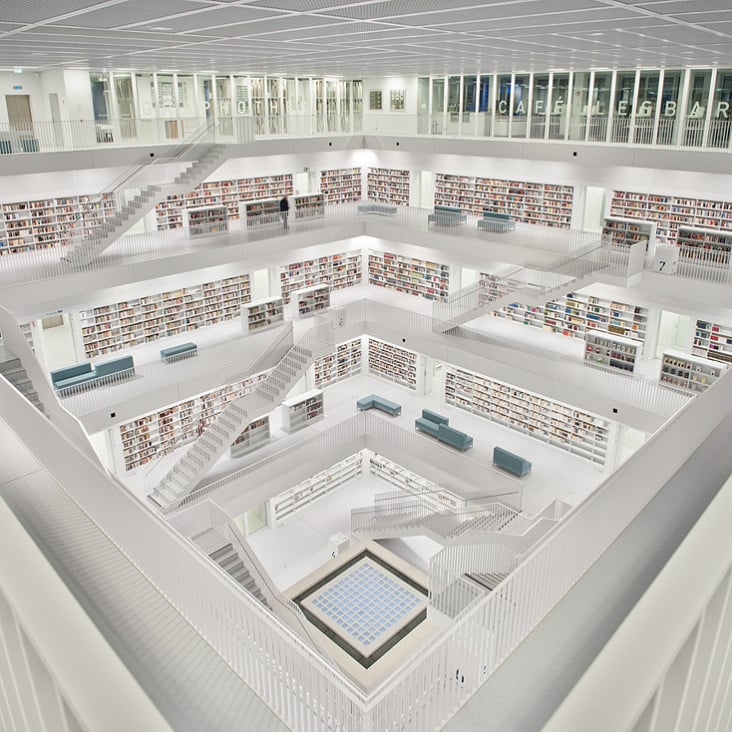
133,195
12,369
229,560
523,284
201,455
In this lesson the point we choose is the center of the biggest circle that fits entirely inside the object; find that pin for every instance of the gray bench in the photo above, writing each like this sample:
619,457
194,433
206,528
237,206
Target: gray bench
447,216
510,462
383,209
374,401
498,223
83,373
175,353
438,426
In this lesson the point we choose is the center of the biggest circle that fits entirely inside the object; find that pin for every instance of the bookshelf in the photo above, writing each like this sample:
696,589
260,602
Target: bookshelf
414,484
128,323
170,213
688,373
388,185
576,431
576,315
260,213
341,185
344,362
159,433
670,213
614,353
206,221
625,232
545,204
713,341
310,300
261,314
309,207
705,245
321,484
254,435
419,277
338,270
393,363
303,410
49,222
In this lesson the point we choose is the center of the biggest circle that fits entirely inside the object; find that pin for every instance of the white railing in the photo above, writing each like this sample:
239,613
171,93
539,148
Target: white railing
704,264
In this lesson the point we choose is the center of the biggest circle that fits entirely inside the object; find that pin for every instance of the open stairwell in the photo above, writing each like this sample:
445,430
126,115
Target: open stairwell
229,560
133,195
12,369
201,455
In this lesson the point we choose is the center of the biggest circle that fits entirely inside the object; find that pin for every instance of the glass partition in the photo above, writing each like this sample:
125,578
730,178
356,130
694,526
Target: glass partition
520,95
344,104
503,106
645,107
423,105
623,109
125,105
719,123
331,105
438,107
560,104
357,105
485,105
469,93
696,107
579,107
539,106
600,107
669,111
453,105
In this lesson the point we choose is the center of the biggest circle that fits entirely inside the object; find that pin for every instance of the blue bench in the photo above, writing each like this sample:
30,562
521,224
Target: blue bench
510,462
182,350
383,209
373,401
447,216
438,426
496,222
83,373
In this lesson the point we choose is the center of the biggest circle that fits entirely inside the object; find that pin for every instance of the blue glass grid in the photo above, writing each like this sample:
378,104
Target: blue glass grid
366,604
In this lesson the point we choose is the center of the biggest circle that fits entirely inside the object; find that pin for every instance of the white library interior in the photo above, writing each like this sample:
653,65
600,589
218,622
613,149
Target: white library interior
347,400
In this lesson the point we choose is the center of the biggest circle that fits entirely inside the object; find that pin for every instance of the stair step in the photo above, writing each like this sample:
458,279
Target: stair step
221,551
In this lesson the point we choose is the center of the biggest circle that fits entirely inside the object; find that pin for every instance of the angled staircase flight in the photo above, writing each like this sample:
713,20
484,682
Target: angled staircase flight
132,195
12,369
229,560
201,455
523,284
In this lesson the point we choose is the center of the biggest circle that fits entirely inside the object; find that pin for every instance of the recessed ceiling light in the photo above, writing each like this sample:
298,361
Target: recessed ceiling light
160,28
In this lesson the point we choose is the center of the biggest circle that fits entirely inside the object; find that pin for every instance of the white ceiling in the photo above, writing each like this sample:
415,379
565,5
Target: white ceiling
366,38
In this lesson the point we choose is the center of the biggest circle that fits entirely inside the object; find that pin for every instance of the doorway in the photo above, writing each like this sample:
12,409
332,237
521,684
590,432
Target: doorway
674,331
19,112
58,135
594,213
56,341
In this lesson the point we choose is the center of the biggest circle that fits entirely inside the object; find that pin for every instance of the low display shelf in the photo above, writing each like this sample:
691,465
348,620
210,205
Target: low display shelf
309,207
415,485
689,373
704,246
206,221
625,232
310,300
561,425
301,411
260,213
392,362
261,314
321,484
254,435
344,362
712,340
615,353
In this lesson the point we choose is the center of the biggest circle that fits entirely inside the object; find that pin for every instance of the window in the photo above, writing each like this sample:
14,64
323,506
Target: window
375,100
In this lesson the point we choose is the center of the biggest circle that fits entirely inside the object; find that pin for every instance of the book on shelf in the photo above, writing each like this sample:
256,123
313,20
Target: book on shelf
689,373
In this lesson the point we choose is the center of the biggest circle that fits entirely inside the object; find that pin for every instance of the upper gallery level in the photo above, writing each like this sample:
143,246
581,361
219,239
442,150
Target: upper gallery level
686,108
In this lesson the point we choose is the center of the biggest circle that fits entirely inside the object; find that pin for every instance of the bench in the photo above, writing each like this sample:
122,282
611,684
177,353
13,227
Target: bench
510,462
496,222
384,209
373,401
438,426
182,350
447,216
83,373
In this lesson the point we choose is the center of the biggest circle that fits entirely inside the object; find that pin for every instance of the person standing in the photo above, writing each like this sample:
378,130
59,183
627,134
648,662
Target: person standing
284,210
